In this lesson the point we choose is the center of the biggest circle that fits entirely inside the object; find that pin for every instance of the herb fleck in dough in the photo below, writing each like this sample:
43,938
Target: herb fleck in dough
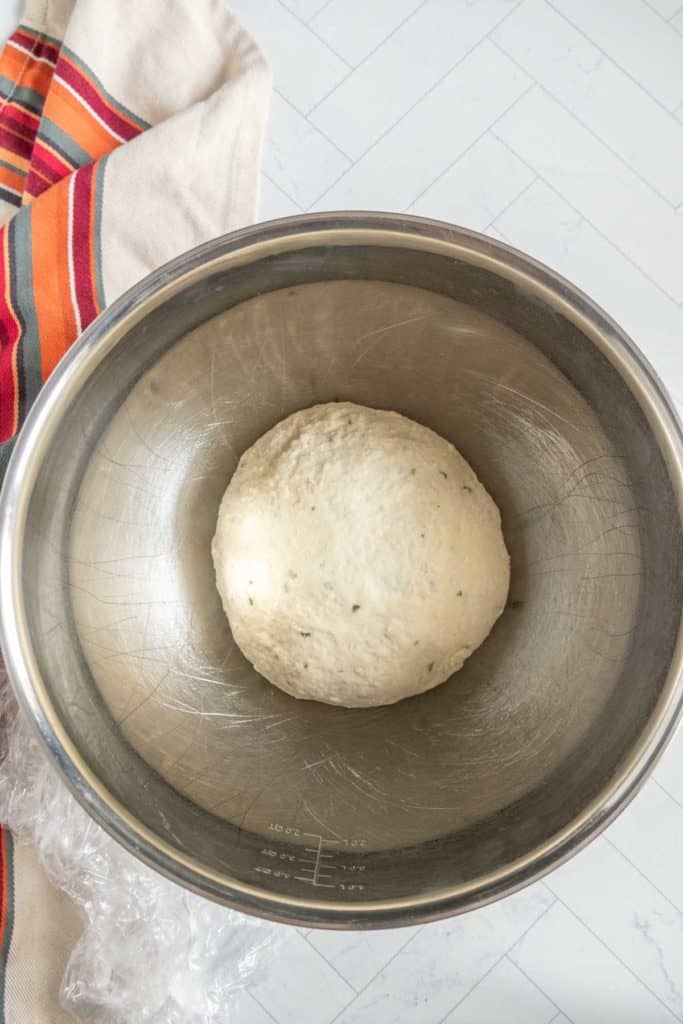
358,557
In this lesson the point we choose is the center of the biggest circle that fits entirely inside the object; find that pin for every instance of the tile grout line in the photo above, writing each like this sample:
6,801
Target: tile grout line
331,965
405,113
642,874
659,14
508,14
315,127
615,955
264,1008
501,21
526,931
367,55
656,780
281,191
587,220
598,138
495,228
646,3
377,974
434,84
539,989
495,964
511,203
476,985
607,56
307,25
320,10
466,150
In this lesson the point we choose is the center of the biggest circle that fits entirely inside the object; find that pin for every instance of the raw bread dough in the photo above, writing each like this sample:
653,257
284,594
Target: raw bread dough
358,557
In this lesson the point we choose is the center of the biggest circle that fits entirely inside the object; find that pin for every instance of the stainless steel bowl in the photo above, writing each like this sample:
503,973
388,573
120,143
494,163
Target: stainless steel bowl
119,650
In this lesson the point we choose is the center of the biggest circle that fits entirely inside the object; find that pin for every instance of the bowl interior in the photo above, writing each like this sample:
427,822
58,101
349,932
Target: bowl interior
302,801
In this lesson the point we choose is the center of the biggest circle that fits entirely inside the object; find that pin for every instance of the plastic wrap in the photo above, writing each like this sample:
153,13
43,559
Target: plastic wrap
151,952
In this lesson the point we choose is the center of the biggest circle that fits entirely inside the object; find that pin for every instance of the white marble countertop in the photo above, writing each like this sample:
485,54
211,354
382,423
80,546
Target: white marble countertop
557,127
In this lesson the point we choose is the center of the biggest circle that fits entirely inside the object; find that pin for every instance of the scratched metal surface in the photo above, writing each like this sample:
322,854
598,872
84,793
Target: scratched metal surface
246,783
155,636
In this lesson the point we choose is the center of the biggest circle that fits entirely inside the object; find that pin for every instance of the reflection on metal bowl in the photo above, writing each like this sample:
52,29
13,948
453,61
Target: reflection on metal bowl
119,649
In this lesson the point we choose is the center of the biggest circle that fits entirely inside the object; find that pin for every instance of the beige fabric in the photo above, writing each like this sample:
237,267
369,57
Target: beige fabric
47,926
161,196
178,60
187,68
49,16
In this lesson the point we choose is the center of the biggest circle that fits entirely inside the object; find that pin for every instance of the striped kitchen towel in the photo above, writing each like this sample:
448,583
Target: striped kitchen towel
39,927
130,131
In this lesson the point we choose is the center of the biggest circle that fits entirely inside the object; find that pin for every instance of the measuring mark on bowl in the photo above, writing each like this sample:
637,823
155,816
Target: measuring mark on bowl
320,864
318,867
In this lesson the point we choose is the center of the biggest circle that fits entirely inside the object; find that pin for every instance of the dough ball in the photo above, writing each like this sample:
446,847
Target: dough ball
358,557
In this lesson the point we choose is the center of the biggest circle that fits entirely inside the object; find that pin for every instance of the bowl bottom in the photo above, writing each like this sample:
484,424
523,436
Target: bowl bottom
156,642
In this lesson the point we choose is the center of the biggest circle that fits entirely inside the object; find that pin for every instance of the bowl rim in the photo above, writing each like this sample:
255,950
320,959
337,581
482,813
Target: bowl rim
243,246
